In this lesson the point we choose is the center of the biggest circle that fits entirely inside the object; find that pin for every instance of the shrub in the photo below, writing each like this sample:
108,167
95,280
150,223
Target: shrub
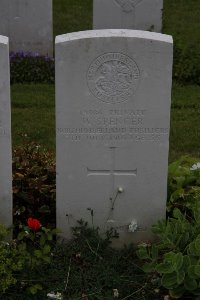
176,257
28,67
183,184
10,261
34,178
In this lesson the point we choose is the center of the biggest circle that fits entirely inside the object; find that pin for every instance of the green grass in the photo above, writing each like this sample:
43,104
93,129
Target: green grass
72,15
181,20
185,124
33,114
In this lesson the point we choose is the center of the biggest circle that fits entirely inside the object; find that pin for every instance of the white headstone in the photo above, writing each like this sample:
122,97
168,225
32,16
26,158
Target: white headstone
113,93
5,136
28,24
128,14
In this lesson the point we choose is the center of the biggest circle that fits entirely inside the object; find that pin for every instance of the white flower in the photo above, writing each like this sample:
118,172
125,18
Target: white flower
17,213
120,190
195,166
115,293
57,296
133,226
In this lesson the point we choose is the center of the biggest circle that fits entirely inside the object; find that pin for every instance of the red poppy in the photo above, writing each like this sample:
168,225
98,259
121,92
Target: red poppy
34,224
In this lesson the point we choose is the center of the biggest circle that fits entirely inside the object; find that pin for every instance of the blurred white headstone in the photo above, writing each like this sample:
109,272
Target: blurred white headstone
5,136
28,24
128,14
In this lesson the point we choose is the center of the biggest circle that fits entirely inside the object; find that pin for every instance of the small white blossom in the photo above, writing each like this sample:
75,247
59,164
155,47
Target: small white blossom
57,296
120,190
115,293
195,166
133,226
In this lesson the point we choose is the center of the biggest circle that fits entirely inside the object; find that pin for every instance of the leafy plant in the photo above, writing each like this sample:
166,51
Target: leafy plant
183,184
36,242
10,261
176,257
33,184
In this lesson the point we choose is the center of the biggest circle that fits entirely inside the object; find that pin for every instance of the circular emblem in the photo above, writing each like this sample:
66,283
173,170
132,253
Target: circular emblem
113,77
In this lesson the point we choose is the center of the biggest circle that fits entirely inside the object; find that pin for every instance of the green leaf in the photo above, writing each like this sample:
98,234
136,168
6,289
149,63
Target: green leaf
44,209
34,289
177,214
165,267
38,253
197,270
55,231
149,267
154,252
169,281
46,259
191,272
197,244
178,261
46,249
42,240
159,228
21,235
183,240
186,262
190,284
49,237
177,292
142,253
192,249
179,193
180,277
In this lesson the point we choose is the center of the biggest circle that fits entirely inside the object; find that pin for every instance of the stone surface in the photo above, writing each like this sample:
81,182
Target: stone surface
128,14
113,92
5,136
28,24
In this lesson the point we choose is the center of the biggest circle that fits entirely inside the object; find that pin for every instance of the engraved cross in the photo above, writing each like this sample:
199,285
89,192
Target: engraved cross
128,5
112,171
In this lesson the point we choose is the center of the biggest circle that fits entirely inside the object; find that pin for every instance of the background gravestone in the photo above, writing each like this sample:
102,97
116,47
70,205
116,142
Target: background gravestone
128,14
5,136
113,91
28,24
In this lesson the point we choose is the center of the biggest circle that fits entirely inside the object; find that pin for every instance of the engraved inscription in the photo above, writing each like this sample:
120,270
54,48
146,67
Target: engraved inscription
127,5
113,77
114,125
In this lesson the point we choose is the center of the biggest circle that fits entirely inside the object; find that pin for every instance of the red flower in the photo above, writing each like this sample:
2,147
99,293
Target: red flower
34,224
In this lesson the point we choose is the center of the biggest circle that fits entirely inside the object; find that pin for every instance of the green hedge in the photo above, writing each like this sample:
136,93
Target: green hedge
28,67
